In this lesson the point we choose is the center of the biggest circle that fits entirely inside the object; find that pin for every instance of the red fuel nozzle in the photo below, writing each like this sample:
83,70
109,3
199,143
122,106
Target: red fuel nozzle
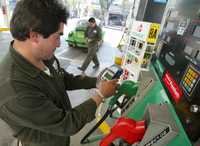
128,129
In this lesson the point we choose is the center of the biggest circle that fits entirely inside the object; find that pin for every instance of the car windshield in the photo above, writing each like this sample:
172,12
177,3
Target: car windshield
82,23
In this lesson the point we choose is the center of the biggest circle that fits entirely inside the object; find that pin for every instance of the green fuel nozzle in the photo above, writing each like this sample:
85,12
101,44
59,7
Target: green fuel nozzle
127,88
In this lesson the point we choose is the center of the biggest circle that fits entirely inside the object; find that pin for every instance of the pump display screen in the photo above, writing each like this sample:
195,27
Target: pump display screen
190,80
108,76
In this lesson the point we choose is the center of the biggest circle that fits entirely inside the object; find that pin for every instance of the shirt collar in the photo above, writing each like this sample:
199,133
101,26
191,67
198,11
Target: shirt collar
24,64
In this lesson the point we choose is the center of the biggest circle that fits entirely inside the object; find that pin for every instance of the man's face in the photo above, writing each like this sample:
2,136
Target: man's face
47,46
92,24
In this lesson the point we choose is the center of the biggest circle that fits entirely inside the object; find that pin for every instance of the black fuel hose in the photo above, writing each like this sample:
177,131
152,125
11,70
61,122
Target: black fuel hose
85,139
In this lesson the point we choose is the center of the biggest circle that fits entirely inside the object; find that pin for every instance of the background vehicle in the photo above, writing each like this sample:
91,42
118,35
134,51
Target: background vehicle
116,20
76,37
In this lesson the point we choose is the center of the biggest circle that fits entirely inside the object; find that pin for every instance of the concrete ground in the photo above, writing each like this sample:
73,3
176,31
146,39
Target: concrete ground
70,59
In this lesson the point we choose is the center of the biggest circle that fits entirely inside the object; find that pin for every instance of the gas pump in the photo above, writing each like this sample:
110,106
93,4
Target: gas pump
173,78
180,55
165,109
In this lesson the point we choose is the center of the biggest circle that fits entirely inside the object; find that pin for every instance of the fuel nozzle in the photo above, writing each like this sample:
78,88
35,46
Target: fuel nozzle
127,88
129,130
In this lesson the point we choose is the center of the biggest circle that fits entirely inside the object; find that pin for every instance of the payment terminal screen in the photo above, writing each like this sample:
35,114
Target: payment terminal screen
108,76
190,80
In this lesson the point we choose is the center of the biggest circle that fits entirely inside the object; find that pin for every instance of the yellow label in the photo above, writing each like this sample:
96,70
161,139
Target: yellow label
104,127
4,29
118,60
153,33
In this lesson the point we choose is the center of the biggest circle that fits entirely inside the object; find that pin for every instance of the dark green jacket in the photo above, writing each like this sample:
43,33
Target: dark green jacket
94,34
36,106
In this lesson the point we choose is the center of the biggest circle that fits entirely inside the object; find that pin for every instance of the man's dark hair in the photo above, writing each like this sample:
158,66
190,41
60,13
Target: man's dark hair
92,20
42,16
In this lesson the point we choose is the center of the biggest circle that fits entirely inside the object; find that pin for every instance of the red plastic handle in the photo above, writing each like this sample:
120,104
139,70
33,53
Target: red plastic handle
128,129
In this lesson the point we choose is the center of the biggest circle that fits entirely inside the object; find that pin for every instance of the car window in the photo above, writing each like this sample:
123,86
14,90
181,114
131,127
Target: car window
82,23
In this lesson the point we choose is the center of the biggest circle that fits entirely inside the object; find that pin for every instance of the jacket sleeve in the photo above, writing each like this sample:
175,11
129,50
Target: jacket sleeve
86,32
99,35
78,82
32,110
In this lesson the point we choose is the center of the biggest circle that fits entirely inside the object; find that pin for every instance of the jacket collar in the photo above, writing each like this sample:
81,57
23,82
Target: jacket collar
22,63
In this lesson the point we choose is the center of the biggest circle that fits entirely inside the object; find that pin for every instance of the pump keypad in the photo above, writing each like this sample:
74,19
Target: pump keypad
190,80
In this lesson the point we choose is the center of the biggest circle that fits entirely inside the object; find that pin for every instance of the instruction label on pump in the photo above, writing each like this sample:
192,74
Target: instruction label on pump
153,33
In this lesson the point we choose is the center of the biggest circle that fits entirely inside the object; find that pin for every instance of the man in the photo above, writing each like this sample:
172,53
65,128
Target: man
93,36
33,100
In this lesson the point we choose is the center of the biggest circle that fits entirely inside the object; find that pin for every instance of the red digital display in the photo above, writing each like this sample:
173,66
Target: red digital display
172,86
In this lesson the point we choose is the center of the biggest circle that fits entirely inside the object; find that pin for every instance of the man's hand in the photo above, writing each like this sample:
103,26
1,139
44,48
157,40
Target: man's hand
107,88
89,40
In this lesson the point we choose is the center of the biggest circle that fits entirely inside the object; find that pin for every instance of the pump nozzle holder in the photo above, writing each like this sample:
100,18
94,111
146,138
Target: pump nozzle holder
128,129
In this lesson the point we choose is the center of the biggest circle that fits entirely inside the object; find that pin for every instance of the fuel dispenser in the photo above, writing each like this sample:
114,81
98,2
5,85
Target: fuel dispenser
173,81
148,118
148,113
163,108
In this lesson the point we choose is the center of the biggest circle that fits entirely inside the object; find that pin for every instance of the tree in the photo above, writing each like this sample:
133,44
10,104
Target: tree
74,6
105,5
126,7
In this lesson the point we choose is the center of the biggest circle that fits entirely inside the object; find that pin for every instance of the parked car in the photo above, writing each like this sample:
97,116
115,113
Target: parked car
116,20
76,37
